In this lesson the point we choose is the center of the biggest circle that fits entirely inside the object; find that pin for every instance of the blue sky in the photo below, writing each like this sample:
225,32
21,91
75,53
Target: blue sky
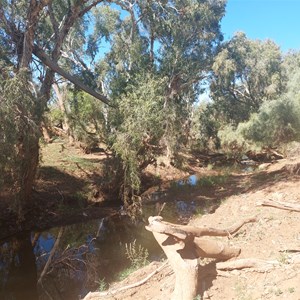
278,20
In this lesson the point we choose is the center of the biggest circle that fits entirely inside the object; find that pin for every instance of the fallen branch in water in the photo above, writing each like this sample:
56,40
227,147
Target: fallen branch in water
99,295
52,252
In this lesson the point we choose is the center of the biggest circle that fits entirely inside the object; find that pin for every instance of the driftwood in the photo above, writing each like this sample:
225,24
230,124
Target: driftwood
280,205
184,245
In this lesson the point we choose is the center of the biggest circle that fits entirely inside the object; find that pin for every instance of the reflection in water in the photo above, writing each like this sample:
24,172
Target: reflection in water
69,266
66,264
17,269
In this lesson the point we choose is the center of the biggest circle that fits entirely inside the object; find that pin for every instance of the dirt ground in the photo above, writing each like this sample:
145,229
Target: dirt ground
274,237
66,176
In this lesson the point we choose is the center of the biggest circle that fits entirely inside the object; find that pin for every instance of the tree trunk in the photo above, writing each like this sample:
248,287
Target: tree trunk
61,97
29,160
184,262
183,245
46,132
35,8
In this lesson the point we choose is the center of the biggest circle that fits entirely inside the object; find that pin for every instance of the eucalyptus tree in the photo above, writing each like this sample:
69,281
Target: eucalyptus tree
165,49
33,30
162,47
277,120
246,73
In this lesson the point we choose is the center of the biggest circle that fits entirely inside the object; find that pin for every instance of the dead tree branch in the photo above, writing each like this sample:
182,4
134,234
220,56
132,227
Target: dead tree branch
247,263
280,205
52,252
99,295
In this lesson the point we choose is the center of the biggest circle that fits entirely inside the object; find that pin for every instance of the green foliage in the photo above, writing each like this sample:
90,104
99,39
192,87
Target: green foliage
205,126
18,126
138,127
232,141
137,255
102,285
277,122
55,116
246,73
86,118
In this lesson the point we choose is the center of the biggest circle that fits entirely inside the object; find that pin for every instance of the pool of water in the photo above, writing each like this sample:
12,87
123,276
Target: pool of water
87,255
67,262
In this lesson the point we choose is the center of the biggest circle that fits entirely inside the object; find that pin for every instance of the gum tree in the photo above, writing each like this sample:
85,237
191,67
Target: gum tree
34,33
171,43
246,73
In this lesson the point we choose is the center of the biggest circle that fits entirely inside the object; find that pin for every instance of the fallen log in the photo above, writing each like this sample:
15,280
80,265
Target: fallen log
184,245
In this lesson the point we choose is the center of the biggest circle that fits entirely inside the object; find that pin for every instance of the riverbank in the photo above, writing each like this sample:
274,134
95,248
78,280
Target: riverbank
274,237
73,186
70,189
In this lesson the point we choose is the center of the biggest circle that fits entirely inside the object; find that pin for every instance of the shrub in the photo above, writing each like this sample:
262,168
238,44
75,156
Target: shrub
276,123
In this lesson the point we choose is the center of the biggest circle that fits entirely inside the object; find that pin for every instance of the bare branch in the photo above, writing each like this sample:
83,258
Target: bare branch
89,7
98,295
183,232
54,67
280,205
60,233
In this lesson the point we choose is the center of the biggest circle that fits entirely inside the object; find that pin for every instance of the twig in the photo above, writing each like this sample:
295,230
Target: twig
97,295
161,209
280,205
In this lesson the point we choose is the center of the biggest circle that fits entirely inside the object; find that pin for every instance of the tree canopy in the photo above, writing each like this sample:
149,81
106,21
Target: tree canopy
148,62
246,73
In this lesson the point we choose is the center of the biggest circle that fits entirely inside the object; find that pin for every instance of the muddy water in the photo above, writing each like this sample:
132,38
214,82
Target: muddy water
87,256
